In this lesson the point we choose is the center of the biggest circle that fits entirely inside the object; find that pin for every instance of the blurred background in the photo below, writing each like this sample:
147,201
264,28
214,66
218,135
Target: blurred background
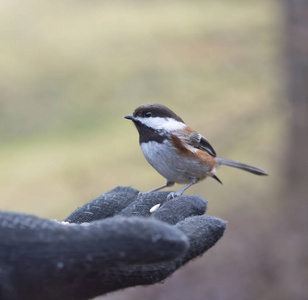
70,71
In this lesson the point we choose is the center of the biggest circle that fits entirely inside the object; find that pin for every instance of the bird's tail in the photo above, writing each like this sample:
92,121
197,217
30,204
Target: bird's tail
236,164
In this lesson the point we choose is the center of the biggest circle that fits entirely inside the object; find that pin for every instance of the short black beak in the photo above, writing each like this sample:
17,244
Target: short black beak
129,117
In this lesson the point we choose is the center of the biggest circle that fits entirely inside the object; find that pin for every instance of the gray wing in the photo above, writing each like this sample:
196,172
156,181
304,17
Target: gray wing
200,142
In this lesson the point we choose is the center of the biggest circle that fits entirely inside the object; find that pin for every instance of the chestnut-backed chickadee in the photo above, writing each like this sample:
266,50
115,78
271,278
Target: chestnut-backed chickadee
176,151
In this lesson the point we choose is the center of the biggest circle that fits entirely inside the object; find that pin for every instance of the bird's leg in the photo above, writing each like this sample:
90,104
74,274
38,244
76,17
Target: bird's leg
167,184
181,191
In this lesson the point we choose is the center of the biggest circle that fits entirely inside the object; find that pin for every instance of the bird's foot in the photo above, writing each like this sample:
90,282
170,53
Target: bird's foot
173,195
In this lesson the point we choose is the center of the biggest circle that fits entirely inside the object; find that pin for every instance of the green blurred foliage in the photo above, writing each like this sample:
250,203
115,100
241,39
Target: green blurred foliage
70,71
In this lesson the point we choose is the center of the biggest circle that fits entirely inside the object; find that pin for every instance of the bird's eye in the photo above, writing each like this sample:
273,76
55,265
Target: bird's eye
148,114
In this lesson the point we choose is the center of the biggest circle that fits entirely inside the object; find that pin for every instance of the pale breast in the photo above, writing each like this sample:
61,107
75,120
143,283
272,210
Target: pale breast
172,165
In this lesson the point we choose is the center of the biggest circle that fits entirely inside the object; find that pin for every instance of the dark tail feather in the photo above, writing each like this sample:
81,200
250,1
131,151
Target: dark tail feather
236,164
216,178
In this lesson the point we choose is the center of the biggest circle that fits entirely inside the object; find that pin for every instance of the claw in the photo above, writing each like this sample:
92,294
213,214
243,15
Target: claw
181,191
172,195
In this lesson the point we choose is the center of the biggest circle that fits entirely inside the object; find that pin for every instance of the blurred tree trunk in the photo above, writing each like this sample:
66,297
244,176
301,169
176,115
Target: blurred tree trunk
294,217
297,80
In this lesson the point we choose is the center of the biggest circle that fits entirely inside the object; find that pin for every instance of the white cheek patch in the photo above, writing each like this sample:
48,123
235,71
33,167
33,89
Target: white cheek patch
157,123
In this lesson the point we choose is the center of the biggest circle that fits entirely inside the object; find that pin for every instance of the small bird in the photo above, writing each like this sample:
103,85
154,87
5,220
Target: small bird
176,151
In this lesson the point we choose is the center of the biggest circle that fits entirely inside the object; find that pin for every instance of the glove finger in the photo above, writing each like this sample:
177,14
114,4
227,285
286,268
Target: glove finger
142,205
104,206
139,241
108,242
181,208
54,253
203,232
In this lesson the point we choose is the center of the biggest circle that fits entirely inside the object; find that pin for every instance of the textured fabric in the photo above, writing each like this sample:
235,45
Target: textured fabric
111,243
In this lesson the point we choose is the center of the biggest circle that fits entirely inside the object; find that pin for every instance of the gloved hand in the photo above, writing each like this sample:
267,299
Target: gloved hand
121,245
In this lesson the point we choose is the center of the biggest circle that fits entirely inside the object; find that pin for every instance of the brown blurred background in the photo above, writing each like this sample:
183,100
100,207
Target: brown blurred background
236,71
